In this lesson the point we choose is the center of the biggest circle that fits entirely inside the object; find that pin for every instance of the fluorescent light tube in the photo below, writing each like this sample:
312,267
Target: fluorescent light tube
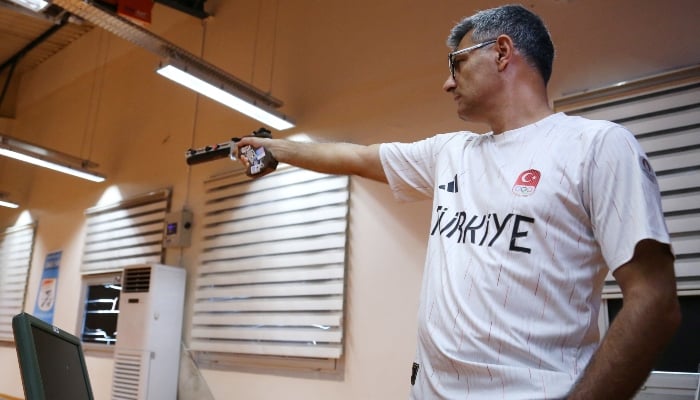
205,88
19,150
8,204
34,5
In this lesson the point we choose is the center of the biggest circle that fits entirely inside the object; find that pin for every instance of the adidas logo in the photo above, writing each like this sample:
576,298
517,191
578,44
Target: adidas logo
450,187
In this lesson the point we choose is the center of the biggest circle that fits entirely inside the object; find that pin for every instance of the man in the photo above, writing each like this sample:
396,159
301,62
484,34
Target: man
527,220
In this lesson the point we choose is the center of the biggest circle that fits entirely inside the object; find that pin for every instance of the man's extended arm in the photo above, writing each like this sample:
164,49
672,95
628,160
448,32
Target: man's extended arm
649,318
329,158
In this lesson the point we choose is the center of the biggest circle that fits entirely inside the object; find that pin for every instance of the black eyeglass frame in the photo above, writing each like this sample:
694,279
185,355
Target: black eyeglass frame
451,56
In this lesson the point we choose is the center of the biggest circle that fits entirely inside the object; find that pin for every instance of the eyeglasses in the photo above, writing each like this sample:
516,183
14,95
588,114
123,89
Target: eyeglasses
451,56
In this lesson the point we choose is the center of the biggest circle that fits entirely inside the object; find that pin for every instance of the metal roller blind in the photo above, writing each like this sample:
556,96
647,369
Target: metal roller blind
125,233
272,269
16,246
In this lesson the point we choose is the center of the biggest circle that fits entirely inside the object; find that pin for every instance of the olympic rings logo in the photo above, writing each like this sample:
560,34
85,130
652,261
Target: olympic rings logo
522,190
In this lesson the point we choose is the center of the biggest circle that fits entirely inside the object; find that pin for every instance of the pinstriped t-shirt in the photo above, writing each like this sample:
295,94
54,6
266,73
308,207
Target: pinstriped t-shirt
525,226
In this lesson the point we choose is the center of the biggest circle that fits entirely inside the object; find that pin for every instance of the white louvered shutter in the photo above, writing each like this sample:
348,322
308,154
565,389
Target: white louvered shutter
16,246
272,270
126,233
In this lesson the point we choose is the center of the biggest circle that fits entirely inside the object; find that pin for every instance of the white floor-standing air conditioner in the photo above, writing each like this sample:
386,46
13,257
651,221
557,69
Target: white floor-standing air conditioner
149,331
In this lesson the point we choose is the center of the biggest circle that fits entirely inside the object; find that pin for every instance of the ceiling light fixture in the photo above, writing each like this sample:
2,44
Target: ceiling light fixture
233,94
5,203
55,160
34,5
191,70
8,204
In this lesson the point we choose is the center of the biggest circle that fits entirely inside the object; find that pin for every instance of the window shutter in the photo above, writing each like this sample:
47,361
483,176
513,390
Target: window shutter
663,113
272,268
125,233
16,246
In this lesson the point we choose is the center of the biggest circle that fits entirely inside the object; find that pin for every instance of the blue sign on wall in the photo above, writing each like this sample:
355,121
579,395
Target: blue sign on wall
46,296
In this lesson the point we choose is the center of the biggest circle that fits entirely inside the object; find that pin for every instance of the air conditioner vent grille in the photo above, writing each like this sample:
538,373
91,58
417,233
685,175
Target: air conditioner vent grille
137,280
130,370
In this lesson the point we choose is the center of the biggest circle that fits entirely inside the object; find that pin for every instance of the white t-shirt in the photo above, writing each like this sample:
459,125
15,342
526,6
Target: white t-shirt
524,228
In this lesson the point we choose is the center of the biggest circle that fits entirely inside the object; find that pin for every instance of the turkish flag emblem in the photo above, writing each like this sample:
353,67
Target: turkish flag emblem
527,182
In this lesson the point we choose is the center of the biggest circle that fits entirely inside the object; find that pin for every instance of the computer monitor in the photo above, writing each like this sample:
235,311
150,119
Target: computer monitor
51,361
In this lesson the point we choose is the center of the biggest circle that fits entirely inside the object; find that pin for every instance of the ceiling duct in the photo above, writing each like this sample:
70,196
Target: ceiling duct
140,36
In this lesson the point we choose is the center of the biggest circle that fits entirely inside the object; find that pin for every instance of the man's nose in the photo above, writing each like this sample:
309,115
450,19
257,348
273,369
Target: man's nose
449,84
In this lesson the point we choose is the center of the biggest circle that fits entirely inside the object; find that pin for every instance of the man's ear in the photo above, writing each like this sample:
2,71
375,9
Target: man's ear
505,50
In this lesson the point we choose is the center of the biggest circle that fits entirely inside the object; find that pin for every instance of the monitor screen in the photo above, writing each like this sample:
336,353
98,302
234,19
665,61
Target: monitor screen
51,361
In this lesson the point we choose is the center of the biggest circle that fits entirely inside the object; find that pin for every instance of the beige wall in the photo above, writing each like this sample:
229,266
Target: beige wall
363,71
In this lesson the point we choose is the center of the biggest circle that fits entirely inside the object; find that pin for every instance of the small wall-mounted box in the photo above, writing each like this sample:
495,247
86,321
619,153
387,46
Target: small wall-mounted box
178,229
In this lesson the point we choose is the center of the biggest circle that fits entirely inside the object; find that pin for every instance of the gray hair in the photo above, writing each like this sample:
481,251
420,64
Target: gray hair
529,34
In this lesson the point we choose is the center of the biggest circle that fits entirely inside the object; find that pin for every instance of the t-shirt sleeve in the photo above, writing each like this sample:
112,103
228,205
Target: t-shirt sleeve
409,168
623,196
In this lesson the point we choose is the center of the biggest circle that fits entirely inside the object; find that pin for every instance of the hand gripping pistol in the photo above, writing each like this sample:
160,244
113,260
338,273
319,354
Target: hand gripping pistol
260,161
